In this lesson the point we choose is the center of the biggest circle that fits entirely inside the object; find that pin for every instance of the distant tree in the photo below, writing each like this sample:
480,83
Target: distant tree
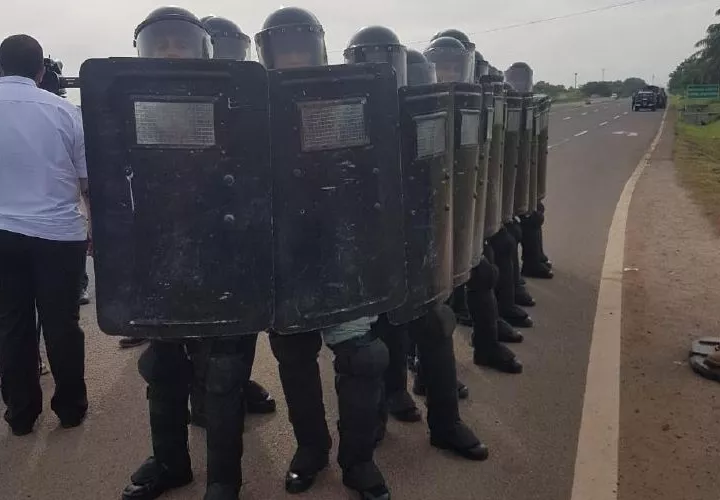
602,89
542,87
701,67
631,85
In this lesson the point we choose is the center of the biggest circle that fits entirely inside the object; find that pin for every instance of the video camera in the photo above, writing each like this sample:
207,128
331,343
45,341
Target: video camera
53,81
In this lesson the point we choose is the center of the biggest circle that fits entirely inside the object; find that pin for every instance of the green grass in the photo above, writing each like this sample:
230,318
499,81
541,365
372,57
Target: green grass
697,159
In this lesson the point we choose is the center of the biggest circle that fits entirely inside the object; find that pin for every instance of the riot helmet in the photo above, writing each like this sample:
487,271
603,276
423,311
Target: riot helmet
520,76
291,37
378,44
482,67
452,60
229,42
172,32
464,39
419,70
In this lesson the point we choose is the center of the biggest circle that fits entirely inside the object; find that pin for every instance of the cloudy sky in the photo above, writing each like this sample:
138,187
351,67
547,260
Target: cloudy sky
644,39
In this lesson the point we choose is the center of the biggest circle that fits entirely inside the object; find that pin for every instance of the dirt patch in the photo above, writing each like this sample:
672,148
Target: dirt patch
670,417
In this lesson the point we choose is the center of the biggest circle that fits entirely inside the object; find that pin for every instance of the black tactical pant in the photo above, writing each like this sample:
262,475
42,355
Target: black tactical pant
432,333
167,368
504,249
533,254
482,302
84,279
42,274
359,366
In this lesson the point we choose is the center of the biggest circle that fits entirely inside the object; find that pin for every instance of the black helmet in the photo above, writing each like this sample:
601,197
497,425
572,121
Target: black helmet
419,70
378,44
172,32
291,37
457,35
520,76
453,62
229,42
482,67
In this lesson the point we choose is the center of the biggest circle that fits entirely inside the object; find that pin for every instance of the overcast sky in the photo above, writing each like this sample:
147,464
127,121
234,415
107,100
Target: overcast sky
646,39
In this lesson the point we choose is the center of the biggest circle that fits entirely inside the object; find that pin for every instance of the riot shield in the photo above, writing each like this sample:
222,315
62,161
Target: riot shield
533,191
426,123
337,191
512,141
468,114
178,157
522,181
486,131
493,212
543,139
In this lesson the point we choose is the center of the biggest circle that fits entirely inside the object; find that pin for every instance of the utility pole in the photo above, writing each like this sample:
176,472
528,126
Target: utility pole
603,74
575,81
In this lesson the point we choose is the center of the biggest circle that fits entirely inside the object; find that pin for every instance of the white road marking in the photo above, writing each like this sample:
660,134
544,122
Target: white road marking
596,110
558,144
585,113
581,133
625,113
603,124
632,134
619,132
567,118
616,117
596,462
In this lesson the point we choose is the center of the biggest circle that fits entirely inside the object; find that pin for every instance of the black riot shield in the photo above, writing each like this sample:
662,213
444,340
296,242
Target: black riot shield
543,138
533,188
522,182
337,191
178,157
512,141
486,130
427,124
468,114
493,212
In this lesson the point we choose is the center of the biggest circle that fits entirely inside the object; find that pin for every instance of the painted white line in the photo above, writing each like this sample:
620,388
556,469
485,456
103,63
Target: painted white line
581,133
558,144
596,110
616,117
567,118
596,462
585,113
625,113
632,134
603,124
619,132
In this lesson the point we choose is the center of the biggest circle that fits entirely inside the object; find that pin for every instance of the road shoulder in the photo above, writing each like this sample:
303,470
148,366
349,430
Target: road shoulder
669,439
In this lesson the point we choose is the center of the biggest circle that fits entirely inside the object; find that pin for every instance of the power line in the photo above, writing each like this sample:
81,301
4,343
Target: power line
539,21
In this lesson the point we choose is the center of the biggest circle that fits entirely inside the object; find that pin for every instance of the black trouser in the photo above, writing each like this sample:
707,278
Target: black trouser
167,368
84,279
36,272
502,245
482,301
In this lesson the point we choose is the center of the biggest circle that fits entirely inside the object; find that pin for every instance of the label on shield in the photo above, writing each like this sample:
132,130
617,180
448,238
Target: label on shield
470,128
513,122
430,135
499,111
529,118
335,124
175,124
489,128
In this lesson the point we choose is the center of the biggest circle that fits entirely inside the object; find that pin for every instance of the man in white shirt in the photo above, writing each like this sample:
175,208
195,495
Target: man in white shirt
43,238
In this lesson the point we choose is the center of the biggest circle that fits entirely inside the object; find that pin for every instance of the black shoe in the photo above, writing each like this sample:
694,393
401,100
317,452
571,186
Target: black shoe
367,480
153,479
84,298
463,391
258,400
127,342
218,491
517,318
75,421
523,297
540,271
402,407
501,359
507,334
304,468
461,441
22,429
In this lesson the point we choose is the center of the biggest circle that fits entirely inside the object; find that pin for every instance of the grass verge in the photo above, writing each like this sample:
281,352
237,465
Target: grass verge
697,159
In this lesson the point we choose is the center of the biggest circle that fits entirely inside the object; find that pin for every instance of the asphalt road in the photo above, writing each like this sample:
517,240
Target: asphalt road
530,421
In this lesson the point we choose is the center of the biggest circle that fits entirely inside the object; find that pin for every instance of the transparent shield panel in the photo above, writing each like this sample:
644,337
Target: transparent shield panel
175,124
335,124
431,133
470,128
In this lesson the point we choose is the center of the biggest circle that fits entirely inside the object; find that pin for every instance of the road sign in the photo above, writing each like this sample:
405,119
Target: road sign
703,91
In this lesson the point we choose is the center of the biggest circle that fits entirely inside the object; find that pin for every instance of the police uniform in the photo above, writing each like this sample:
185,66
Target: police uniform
294,38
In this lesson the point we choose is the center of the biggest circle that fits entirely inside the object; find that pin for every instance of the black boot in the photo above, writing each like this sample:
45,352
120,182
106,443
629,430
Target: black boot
499,358
399,402
153,479
517,317
533,265
300,377
507,334
522,295
502,245
419,388
360,364
258,399
543,258
433,334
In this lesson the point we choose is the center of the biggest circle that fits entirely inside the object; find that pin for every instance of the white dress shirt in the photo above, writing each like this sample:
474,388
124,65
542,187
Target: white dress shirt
42,156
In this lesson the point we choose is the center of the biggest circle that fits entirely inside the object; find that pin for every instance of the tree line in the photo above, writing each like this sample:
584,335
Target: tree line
703,66
623,88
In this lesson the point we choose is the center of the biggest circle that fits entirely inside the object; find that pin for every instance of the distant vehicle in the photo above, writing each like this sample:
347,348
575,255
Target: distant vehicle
644,99
614,96
660,95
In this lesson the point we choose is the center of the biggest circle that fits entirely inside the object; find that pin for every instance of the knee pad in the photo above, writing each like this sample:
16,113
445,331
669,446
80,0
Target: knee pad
484,276
361,358
440,321
296,347
541,207
226,373
165,363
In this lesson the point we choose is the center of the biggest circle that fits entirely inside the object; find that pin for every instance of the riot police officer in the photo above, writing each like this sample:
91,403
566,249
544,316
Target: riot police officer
294,38
172,32
433,328
229,42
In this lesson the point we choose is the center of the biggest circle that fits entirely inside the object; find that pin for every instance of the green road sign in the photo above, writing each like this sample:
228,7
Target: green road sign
703,91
